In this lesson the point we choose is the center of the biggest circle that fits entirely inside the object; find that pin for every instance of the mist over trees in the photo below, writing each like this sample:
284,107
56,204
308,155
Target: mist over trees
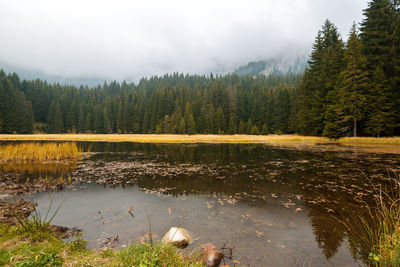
348,89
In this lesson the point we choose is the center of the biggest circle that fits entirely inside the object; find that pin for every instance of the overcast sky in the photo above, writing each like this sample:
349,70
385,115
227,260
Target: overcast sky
129,39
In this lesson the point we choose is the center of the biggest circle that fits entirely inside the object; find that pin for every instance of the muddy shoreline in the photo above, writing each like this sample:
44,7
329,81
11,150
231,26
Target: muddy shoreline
13,211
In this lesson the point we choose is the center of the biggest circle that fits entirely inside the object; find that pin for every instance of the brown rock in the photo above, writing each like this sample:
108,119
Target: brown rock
210,256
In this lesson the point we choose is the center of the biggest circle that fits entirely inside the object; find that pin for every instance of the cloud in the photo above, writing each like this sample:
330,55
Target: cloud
130,39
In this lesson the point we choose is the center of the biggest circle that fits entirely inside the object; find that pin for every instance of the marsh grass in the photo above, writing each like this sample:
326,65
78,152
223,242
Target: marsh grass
39,152
38,226
200,138
165,138
376,233
371,140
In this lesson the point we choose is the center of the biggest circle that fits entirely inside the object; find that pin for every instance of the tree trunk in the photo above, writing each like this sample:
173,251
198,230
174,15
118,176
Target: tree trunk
355,127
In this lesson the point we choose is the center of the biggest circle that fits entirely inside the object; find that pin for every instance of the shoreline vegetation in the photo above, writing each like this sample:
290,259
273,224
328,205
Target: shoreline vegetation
30,152
202,138
21,247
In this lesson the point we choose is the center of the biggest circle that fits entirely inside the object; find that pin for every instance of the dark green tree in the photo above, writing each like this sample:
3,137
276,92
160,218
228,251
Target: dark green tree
354,86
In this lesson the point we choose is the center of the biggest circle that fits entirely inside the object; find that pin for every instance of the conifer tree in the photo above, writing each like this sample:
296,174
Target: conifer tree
88,123
254,130
242,127
333,117
219,121
378,37
325,65
381,117
264,130
189,120
249,126
354,81
232,126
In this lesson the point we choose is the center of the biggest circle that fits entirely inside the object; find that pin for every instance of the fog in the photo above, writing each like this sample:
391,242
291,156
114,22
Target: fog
130,39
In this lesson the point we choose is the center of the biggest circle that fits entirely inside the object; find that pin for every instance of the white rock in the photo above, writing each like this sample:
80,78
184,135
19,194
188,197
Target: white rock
178,237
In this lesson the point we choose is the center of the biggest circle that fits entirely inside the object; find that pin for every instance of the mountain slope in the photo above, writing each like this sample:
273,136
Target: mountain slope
273,66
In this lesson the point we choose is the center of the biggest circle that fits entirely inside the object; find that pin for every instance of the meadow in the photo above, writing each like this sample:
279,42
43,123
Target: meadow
181,138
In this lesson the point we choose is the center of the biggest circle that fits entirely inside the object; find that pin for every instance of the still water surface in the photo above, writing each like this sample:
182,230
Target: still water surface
278,206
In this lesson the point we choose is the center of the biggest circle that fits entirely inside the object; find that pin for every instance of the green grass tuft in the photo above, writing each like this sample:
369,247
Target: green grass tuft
18,249
376,232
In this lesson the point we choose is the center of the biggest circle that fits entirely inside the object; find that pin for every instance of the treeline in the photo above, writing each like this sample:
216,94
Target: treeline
353,88
16,113
350,88
170,104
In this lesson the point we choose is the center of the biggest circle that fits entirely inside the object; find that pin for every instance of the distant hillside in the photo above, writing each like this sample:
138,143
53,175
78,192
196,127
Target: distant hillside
29,74
273,66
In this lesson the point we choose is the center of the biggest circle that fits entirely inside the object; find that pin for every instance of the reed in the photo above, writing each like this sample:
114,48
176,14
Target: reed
37,152
376,233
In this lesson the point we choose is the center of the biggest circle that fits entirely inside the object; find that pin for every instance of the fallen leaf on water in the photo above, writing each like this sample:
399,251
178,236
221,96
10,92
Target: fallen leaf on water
297,210
236,261
259,234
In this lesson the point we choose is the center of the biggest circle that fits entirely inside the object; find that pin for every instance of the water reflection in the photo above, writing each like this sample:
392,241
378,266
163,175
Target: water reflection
39,169
295,197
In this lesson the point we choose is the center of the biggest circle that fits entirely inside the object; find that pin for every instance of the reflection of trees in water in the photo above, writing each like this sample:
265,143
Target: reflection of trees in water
328,181
342,222
200,153
38,169
328,232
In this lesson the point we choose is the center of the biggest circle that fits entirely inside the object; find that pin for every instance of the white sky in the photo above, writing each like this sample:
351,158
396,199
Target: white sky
129,39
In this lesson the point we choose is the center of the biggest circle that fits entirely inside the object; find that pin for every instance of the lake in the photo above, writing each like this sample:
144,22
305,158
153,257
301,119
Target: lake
276,205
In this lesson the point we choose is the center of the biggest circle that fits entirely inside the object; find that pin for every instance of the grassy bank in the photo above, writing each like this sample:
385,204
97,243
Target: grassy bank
35,152
376,231
19,248
165,138
171,138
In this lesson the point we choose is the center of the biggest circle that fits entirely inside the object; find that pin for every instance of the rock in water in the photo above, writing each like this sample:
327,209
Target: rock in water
178,237
210,256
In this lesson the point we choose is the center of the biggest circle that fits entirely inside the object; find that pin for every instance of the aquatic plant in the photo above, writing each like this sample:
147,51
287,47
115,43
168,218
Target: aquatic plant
29,152
375,234
37,226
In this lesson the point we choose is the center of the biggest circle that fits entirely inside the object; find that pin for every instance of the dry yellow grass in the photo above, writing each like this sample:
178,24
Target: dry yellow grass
199,138
39,152
371,140
166,138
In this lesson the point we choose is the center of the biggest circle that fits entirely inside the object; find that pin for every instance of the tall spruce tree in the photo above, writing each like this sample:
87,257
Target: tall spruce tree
380,33
381,118
354,79
319,79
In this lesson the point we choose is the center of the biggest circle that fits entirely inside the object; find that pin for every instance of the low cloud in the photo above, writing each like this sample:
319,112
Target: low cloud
131,39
